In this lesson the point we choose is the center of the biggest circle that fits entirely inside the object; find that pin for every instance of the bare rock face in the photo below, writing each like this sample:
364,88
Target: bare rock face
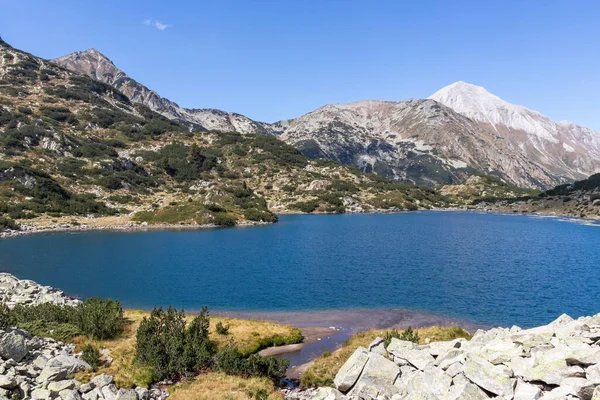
555,361
562,148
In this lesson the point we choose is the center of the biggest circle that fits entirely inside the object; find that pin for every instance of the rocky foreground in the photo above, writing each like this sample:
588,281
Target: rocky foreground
560,360
32,367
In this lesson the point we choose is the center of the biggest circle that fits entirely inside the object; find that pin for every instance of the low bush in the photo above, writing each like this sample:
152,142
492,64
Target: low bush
232,362
95,318
100,319
91,355
222,329
164,344
8,224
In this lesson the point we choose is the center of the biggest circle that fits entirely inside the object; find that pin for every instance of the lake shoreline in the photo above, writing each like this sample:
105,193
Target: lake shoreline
174,227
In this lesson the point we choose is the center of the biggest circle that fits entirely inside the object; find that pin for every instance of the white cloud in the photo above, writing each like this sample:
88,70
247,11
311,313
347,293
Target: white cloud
157,24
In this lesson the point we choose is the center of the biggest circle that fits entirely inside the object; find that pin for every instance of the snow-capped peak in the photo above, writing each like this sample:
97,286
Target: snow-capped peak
477,103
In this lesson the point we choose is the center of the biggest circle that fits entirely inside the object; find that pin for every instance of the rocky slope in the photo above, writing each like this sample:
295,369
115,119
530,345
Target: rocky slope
419,141
563,149
33,367
558,361
77,152
96,65
580,199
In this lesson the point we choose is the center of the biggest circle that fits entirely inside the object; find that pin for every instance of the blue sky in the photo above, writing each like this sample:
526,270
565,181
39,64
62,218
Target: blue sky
274,60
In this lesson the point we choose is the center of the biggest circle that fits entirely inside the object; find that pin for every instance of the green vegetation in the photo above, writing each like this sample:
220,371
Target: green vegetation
8,224
222,329
94,318
91,355
172,348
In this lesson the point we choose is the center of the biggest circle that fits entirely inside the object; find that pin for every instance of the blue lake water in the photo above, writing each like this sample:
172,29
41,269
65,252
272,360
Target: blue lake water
486,268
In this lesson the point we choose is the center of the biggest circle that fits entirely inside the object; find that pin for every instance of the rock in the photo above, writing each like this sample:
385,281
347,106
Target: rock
351,370
377,346
468,391
592,374
493,378
42,394
596,395
526,391
125,394
433,382
402,351
102,380
7,382
13,345
377,378
59,386
328,394
70,363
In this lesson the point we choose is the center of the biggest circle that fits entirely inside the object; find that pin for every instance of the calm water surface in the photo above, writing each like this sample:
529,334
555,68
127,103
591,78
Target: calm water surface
486,268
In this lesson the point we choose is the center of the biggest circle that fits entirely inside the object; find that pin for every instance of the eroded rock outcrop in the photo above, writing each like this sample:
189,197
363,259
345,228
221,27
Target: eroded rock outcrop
15,291
560,360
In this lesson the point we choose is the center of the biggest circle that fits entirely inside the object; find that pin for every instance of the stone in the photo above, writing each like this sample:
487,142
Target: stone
102,380
13,345
67,362
592,373
70,394
468,391
41,394
493,378
7,382
418,358
527,391
125,394
596,394
59,386
455,369
377,346
433,382
86,387
325,393
351,370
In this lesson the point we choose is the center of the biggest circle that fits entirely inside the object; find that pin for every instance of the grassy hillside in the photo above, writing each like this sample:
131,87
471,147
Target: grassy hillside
76,151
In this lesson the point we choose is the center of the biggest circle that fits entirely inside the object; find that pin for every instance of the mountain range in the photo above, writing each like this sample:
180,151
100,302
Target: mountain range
459,131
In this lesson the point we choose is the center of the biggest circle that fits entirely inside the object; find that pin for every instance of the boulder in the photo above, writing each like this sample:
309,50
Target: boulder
13,344
377,346
351,370
493,378
527,391
468,391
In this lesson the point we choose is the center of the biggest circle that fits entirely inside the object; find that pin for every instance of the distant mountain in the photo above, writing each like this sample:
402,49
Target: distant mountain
96,65
563,149
75,151
459,131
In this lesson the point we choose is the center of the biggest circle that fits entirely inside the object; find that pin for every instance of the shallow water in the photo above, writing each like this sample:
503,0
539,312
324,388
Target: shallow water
487,269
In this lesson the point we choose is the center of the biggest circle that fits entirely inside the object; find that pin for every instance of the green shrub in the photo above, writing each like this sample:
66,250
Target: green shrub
8,224
222,329
100,319
389,335
224,219
410,335
6,318
91,355
160,343
164,344
230,361
305,206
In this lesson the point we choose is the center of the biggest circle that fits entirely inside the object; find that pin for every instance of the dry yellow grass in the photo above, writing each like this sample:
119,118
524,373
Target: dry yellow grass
324,369
214,386
248,335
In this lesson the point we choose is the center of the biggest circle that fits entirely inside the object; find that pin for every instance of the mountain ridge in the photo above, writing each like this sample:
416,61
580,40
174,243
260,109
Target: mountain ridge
465,130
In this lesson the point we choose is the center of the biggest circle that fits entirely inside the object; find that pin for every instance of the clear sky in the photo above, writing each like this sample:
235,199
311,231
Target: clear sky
273,60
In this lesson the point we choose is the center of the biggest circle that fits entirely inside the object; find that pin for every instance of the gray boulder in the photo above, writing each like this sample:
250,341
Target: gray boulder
493,378
351,370
13,344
